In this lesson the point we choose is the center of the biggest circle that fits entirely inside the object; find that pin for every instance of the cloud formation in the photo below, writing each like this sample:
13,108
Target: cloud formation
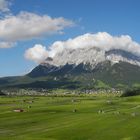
29,25
101,40
38,53
4,5
6,44
25,26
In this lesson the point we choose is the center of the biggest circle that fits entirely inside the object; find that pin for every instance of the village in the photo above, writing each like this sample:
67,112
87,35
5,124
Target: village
46,92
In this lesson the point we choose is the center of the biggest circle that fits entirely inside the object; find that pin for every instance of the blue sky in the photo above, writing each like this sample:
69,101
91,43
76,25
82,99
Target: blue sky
116,17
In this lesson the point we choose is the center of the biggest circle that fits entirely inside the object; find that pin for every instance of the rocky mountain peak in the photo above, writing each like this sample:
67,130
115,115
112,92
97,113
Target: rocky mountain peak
92,56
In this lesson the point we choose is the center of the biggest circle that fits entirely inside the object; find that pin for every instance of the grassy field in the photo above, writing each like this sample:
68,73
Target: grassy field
54,118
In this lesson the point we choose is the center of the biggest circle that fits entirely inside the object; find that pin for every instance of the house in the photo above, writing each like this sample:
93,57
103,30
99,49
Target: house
18,110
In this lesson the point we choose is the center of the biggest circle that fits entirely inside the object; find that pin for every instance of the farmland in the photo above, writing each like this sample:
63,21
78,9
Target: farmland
89,117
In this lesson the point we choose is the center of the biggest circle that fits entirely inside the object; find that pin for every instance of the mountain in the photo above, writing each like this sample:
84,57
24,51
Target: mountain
91,56
82,68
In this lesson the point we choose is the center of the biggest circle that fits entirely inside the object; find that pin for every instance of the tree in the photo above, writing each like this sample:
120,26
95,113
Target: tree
2,94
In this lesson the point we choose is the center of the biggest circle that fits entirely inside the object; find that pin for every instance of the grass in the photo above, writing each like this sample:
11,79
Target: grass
52,118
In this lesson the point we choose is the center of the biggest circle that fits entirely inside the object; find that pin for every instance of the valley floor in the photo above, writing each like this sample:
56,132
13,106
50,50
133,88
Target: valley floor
70,118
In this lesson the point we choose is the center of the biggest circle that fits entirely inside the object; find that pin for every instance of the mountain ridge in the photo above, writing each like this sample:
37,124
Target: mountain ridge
100,69
93,56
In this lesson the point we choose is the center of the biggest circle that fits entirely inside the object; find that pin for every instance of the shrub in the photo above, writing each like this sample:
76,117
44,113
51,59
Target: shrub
131,92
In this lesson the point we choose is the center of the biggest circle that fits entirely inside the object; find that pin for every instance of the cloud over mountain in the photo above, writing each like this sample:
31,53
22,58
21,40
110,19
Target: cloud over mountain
38,53
102,40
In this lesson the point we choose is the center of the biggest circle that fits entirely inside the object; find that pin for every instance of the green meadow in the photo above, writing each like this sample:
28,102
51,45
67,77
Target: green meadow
70,118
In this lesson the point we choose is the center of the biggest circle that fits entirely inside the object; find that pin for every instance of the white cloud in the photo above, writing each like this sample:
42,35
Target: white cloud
27,25
6,44
4,5
101,40
37,54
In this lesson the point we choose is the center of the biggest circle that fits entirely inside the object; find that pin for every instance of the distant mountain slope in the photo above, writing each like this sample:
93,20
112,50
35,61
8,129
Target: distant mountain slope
121,73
